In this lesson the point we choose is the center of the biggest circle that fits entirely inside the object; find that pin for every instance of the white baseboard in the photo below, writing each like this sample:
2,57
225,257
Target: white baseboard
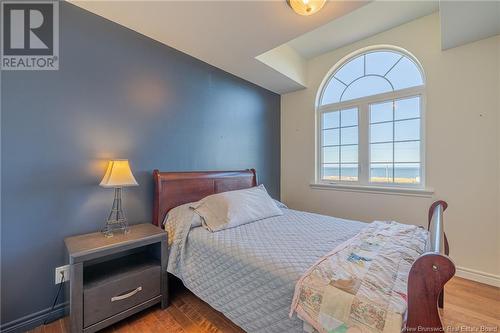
478,276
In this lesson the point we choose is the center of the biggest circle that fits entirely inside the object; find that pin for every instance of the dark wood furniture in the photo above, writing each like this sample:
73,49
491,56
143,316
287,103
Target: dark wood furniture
113,278
428,274
173,189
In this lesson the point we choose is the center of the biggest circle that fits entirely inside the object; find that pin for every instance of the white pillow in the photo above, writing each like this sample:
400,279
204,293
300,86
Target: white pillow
177,218
182,214
230,209
280,204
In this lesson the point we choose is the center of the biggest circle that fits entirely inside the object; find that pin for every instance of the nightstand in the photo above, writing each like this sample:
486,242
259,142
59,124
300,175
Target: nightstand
113,278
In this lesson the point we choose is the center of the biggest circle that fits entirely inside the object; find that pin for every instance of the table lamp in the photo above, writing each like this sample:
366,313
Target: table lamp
117,176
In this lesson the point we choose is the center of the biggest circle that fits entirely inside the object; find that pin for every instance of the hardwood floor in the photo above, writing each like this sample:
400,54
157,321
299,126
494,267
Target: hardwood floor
469,307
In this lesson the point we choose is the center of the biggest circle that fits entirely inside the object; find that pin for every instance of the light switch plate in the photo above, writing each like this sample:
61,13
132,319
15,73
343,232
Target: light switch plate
60,269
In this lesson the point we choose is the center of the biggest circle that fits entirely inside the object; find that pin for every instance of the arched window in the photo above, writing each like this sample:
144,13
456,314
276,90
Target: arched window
370,123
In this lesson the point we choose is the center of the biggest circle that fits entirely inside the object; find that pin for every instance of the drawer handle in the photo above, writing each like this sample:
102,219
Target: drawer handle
127,295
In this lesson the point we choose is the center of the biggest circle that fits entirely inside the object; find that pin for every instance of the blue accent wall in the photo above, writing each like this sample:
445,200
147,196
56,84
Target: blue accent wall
118,94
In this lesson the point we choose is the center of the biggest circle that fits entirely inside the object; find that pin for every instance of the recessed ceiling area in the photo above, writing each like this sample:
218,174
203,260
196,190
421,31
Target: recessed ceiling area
268,44
367,21
467,21
461,22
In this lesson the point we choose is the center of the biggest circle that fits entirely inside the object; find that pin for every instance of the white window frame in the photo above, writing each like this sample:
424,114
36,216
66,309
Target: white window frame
363,183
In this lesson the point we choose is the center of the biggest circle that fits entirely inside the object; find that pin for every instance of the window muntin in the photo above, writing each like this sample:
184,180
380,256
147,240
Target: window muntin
370,74
339,145
395,141
386,88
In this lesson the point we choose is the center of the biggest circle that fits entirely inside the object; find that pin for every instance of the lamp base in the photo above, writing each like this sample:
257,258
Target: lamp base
112,227
116,220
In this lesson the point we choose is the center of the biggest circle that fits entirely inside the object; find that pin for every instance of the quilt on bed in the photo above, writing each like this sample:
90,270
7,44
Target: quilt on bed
249,272
361,286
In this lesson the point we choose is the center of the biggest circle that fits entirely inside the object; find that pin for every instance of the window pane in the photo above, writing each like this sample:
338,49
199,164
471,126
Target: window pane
366,86
381,173
407,151
381,112
380,62
407,173
351,70
407,108
394,125
407,130
331,137
349,117
381,152
349,172
349,154
332,92
330,154
331,171
405,75
381,132
331,119
349,135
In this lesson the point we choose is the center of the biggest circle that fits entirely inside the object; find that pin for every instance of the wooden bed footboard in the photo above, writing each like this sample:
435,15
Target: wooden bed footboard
428,275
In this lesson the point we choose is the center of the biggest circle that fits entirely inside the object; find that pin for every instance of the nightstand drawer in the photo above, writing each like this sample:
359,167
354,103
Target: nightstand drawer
103,300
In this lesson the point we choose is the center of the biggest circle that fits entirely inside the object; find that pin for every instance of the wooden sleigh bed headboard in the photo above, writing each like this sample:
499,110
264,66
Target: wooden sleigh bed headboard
428,274
176,188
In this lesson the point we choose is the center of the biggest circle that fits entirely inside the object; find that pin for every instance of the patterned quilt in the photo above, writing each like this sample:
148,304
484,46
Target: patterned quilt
249,272
361,286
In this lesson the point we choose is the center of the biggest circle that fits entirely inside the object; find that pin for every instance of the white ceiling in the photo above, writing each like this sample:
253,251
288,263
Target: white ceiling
467,21
265,42
367,21
225,34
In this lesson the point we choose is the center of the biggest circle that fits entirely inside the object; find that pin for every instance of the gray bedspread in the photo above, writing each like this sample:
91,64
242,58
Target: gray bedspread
249,272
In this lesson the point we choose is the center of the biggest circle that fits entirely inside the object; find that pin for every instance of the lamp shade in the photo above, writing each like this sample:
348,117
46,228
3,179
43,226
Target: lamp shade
118,174
306,7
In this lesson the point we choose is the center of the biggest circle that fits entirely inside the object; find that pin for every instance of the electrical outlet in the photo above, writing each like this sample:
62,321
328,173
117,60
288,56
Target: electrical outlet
62,269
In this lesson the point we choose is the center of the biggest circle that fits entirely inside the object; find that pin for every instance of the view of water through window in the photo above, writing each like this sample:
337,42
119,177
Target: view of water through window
395,141
392,125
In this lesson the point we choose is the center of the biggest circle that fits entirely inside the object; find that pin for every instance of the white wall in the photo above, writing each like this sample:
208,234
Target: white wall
287,61
462,146
498,135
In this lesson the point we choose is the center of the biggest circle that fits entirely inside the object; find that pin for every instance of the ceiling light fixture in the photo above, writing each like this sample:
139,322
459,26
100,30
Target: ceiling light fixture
306,7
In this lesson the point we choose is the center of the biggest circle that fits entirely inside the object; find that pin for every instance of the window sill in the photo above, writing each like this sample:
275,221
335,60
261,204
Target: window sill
405,191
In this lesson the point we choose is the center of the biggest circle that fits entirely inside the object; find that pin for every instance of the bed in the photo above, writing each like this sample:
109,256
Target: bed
249,273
